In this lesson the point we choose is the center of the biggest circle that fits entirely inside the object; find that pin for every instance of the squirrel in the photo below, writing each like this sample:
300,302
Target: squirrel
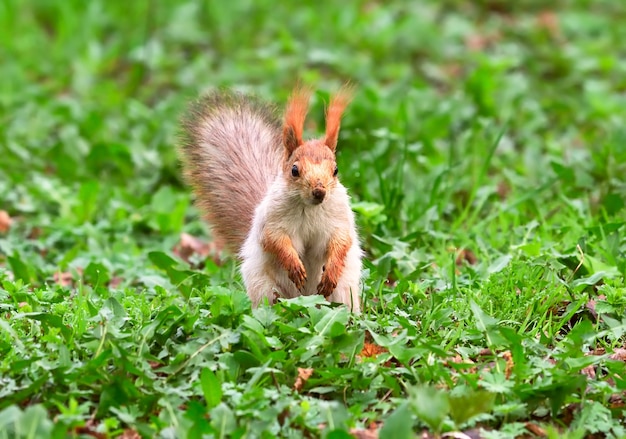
273,198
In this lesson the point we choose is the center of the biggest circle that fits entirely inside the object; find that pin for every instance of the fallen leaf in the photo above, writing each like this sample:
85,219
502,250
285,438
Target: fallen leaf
509,364
5,221
617,401
372,350
155,366
477,42
34,233
360,433
129,433
459,435
598,351
465,254
549,21
115,281
503,190
501,7
282,416
591,306
452,70
485,352
89,429
391,283
618,354
62,278
568,413
457,359
590,371
535,429
303,375
190,245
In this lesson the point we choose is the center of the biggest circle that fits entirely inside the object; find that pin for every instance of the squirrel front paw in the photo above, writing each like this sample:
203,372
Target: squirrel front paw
297,275
326,286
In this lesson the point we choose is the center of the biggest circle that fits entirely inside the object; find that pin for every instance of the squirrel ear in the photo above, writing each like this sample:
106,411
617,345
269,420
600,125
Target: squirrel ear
295,114
338,104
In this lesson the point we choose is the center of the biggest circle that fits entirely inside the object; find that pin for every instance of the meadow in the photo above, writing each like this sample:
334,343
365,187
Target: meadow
485,153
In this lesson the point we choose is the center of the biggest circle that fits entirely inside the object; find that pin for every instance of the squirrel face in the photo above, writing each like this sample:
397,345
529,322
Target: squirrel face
310,167
311,170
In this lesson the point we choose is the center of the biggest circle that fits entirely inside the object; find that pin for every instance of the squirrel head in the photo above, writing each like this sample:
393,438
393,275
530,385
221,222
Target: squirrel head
310,166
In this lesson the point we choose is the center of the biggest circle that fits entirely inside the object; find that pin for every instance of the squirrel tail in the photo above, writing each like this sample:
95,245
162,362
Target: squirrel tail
231,152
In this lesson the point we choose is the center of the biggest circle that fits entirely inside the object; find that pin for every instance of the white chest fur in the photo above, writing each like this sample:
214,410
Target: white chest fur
310,228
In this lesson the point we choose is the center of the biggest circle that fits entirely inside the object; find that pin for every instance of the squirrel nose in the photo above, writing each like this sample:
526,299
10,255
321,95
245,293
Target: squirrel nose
318,194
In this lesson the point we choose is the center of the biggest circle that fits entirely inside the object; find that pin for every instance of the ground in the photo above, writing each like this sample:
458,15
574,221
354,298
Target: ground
485,153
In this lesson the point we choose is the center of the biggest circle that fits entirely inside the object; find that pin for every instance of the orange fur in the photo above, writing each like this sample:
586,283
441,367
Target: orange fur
338,248
338,104
280,245
295,114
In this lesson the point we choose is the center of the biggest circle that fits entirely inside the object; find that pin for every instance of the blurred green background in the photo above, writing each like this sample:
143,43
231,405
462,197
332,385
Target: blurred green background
485,152
92,92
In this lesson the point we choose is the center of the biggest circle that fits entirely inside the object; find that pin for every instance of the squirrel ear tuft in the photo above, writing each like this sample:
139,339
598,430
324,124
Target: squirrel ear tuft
338,104
295,114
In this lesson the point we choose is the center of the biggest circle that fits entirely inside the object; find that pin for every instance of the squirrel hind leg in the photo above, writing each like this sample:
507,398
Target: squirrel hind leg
348,295
258,287
258,282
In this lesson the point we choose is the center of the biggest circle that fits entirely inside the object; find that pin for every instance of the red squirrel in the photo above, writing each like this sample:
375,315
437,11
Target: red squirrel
272,197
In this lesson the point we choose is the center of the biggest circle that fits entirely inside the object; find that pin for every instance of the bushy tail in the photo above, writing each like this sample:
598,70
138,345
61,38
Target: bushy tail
231,152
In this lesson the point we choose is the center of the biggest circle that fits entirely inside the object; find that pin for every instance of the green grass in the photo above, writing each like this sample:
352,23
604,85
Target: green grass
485,153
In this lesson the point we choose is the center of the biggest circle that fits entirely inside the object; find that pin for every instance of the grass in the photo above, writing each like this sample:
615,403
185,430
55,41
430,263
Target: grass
485,154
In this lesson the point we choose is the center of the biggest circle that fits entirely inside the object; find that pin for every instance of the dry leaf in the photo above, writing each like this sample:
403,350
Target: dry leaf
590,371
503,190
129,433
549,21
5,221
372,350
465,254
535,429
509,364
359,433
190,245
89,429
34,233
282,416
485,352
616,401
452,70
468,434
476,42
591,306
618,354
115,281
456,435
303,375
391,283
597,351
63,278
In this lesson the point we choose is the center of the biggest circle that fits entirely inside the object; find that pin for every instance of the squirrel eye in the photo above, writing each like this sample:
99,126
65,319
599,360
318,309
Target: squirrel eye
336,171
294,171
